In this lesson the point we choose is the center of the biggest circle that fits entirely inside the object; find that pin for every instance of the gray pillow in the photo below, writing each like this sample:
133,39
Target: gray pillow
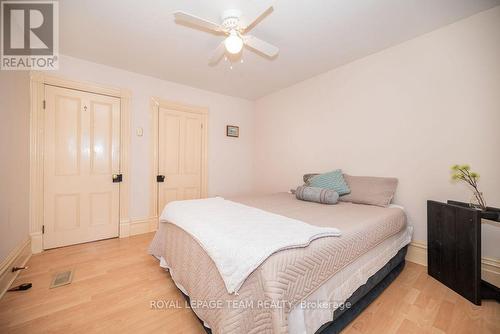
318,195
370,190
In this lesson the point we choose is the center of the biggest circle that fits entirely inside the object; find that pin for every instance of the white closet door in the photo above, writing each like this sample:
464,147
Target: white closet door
180,136
81,155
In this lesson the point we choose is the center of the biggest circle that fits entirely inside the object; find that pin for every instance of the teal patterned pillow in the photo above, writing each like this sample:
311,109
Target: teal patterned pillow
332,180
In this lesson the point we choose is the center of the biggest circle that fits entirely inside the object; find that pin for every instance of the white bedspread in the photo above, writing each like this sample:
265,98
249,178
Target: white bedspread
237,237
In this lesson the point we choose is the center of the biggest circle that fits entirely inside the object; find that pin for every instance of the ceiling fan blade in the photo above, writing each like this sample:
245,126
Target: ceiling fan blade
247,25
217,54
261,46
197,21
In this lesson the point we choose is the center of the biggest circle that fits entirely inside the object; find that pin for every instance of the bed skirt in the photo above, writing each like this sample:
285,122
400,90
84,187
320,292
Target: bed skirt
362,297
366,294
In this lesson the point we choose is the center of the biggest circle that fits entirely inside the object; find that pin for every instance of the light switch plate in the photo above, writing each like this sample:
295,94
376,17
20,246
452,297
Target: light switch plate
139,132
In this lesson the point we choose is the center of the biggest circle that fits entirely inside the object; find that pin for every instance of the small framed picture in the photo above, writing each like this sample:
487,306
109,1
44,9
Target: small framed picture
232,131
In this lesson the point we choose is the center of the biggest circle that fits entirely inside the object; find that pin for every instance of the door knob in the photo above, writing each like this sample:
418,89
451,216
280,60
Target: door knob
117,178
160,178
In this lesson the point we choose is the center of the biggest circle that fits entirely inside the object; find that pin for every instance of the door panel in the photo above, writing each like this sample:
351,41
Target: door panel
67,211
101,138
169,134
191,193
81,152
192,151
101,208
170,194
67,135
180,136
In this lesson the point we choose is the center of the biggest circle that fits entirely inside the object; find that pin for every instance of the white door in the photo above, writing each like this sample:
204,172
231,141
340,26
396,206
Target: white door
180,162
81,156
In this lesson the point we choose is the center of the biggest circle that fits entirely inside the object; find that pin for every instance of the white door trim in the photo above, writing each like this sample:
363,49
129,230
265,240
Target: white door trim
38,81
156,104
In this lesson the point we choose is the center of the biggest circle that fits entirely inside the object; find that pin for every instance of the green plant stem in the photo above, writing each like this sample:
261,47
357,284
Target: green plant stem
473,183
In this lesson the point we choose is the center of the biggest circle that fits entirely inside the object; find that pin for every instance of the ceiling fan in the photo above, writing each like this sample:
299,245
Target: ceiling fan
235,27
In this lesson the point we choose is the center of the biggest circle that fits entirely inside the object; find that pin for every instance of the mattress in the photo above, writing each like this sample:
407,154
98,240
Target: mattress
269,295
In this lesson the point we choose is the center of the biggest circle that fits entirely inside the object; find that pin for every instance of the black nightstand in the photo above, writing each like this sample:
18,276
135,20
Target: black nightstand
454,249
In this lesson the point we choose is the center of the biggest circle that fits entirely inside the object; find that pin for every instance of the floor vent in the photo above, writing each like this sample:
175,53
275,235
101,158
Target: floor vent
61,279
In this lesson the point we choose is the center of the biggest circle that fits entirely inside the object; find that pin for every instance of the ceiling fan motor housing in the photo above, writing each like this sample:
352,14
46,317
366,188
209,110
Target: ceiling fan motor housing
231,19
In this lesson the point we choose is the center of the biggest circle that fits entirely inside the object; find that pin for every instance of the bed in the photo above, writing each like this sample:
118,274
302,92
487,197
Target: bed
318,288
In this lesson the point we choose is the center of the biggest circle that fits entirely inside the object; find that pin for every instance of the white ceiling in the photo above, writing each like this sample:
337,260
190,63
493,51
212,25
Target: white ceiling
314,36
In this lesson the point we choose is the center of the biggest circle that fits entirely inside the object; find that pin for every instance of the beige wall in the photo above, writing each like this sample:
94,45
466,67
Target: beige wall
14,156
410,111
230,159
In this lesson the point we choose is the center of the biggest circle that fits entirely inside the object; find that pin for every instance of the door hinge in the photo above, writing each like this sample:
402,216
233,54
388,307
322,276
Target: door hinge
43,229
44,104
202,125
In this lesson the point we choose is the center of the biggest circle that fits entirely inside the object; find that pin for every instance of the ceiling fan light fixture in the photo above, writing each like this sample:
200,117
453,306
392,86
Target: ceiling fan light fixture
235,29
233,43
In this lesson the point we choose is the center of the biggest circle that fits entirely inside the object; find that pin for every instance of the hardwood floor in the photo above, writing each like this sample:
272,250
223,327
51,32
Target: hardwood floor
115,281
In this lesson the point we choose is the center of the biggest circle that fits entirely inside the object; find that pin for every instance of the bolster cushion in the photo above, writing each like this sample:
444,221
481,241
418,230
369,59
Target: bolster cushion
315,194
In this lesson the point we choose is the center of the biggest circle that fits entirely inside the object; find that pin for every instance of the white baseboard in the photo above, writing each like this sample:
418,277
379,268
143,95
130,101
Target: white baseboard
417,253
490,268
153,224
127,228
36,242
124,229
141,226
16,258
